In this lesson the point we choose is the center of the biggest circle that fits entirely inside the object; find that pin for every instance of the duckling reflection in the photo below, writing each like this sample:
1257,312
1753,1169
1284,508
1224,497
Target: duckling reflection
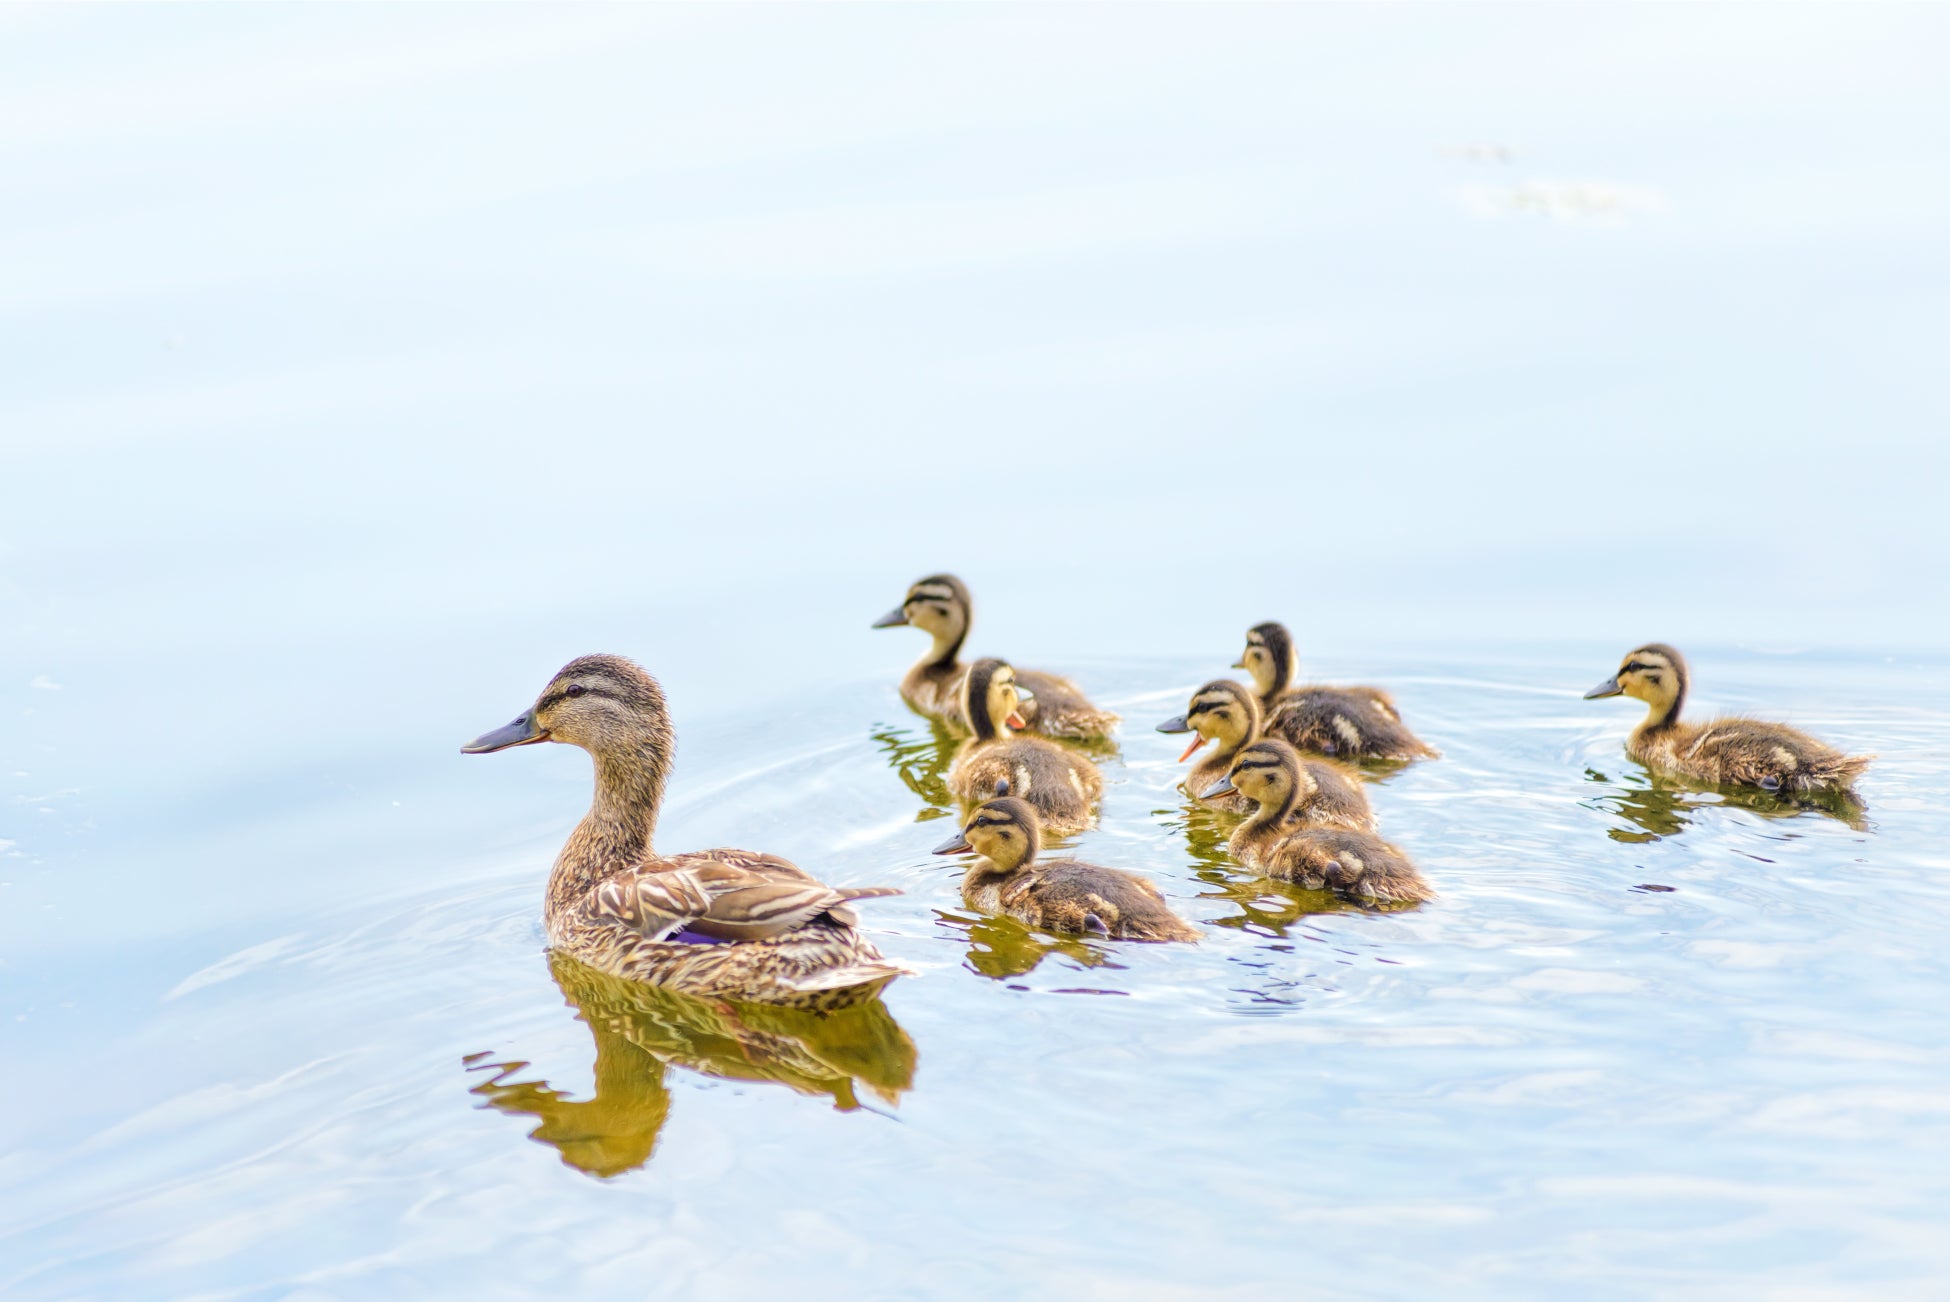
922,763
642,1030
1660,805
999,947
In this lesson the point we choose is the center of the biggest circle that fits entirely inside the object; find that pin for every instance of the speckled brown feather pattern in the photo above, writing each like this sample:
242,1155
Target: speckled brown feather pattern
1352,723
1063,785
1357,865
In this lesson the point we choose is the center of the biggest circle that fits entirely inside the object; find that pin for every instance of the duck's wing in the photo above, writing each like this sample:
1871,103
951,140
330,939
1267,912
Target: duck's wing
741,896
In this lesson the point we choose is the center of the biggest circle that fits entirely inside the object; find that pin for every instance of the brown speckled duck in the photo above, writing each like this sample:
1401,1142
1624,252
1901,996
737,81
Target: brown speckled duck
730,924
1734,751
1350,723
940,606
1064,896
1063,785
1305,793
1281,841
1223,711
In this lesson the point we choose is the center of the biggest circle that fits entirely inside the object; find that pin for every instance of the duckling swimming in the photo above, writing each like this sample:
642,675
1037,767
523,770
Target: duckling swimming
1065,896
1225,712
1283,843
1733,751
733,924
1351,723
940,606
1287,791
1060,783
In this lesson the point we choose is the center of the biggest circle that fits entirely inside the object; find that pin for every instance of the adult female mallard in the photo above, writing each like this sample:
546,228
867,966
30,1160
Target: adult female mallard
733,924
940,606
1735,751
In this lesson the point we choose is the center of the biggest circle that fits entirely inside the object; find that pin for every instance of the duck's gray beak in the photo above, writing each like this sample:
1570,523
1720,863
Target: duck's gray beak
522,732
1240,663
892,619
953,845
1609,687
1223,787
1175,725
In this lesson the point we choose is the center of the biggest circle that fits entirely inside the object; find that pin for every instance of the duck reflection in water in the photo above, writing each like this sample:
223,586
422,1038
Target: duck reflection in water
642,1030
1659,805
921,758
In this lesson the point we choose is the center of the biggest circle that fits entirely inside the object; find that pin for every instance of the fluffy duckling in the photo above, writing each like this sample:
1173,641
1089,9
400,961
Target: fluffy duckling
1304,793
1222,711
1065,896
1353,723
940,606
1282,842
728,924
1061,784
1734,751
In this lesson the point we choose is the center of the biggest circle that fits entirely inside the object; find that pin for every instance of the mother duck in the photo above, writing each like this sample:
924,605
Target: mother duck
729,924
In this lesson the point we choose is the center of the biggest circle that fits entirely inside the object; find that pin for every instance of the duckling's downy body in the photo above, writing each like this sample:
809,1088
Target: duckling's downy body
1730,750
732,924
1281,841
940,606
1066,896
1352,723
1061,784
1224,712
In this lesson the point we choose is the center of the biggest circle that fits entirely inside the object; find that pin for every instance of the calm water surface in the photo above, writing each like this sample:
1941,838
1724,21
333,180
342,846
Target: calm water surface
1647,1039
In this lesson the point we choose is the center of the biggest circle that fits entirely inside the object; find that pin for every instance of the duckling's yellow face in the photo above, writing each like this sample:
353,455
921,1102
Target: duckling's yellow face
1005,699
1268,774
1651,674
1220,714
933,605
1259,661
996,832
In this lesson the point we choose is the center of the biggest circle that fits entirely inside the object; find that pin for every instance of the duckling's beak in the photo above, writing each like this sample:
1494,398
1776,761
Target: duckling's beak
1240,663
1016,721
892,619
1223,787
522,732
1610,687
1176,724
955,844
1196,743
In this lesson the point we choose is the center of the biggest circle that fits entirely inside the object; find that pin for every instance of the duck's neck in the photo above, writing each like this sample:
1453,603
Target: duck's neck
1275,814
616,834
1657,720
989,870
947,647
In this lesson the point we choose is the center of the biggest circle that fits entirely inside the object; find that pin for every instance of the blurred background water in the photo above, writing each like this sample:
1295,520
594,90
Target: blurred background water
362,366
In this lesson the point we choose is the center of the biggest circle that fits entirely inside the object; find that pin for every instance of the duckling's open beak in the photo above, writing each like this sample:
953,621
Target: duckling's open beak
955,844
1196,743
1223,787
522,732
892,619
1610,687
1016,721
1177,724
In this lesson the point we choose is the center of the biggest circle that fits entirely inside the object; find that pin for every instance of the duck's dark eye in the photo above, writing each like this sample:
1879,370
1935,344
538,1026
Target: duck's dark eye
575,689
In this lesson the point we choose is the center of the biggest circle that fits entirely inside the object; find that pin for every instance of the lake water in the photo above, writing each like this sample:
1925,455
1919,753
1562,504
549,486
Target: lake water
1553,1077
361,366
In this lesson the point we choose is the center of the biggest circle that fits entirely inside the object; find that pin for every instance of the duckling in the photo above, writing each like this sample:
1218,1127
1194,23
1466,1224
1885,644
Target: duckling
1734,751
1309,793
1281,842
729,924
1065,896
1225,712
1061,784
1353,723
940,606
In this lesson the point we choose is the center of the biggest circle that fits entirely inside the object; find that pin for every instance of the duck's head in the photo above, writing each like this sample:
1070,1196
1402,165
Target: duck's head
1269,773
1654,673
1005,831
1268,657
1220,711
604,704
938,604
991,699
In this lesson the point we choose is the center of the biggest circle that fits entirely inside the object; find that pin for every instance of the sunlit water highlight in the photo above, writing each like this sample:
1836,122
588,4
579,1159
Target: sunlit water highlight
1646,1037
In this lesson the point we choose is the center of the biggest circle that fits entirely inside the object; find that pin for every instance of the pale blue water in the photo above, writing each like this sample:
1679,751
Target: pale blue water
364,366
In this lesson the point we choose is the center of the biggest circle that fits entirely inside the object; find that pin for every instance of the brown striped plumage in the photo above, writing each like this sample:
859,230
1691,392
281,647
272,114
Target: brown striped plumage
940,606
1351,723
1734,751
1064,896
1289,791
617,905
1063,785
